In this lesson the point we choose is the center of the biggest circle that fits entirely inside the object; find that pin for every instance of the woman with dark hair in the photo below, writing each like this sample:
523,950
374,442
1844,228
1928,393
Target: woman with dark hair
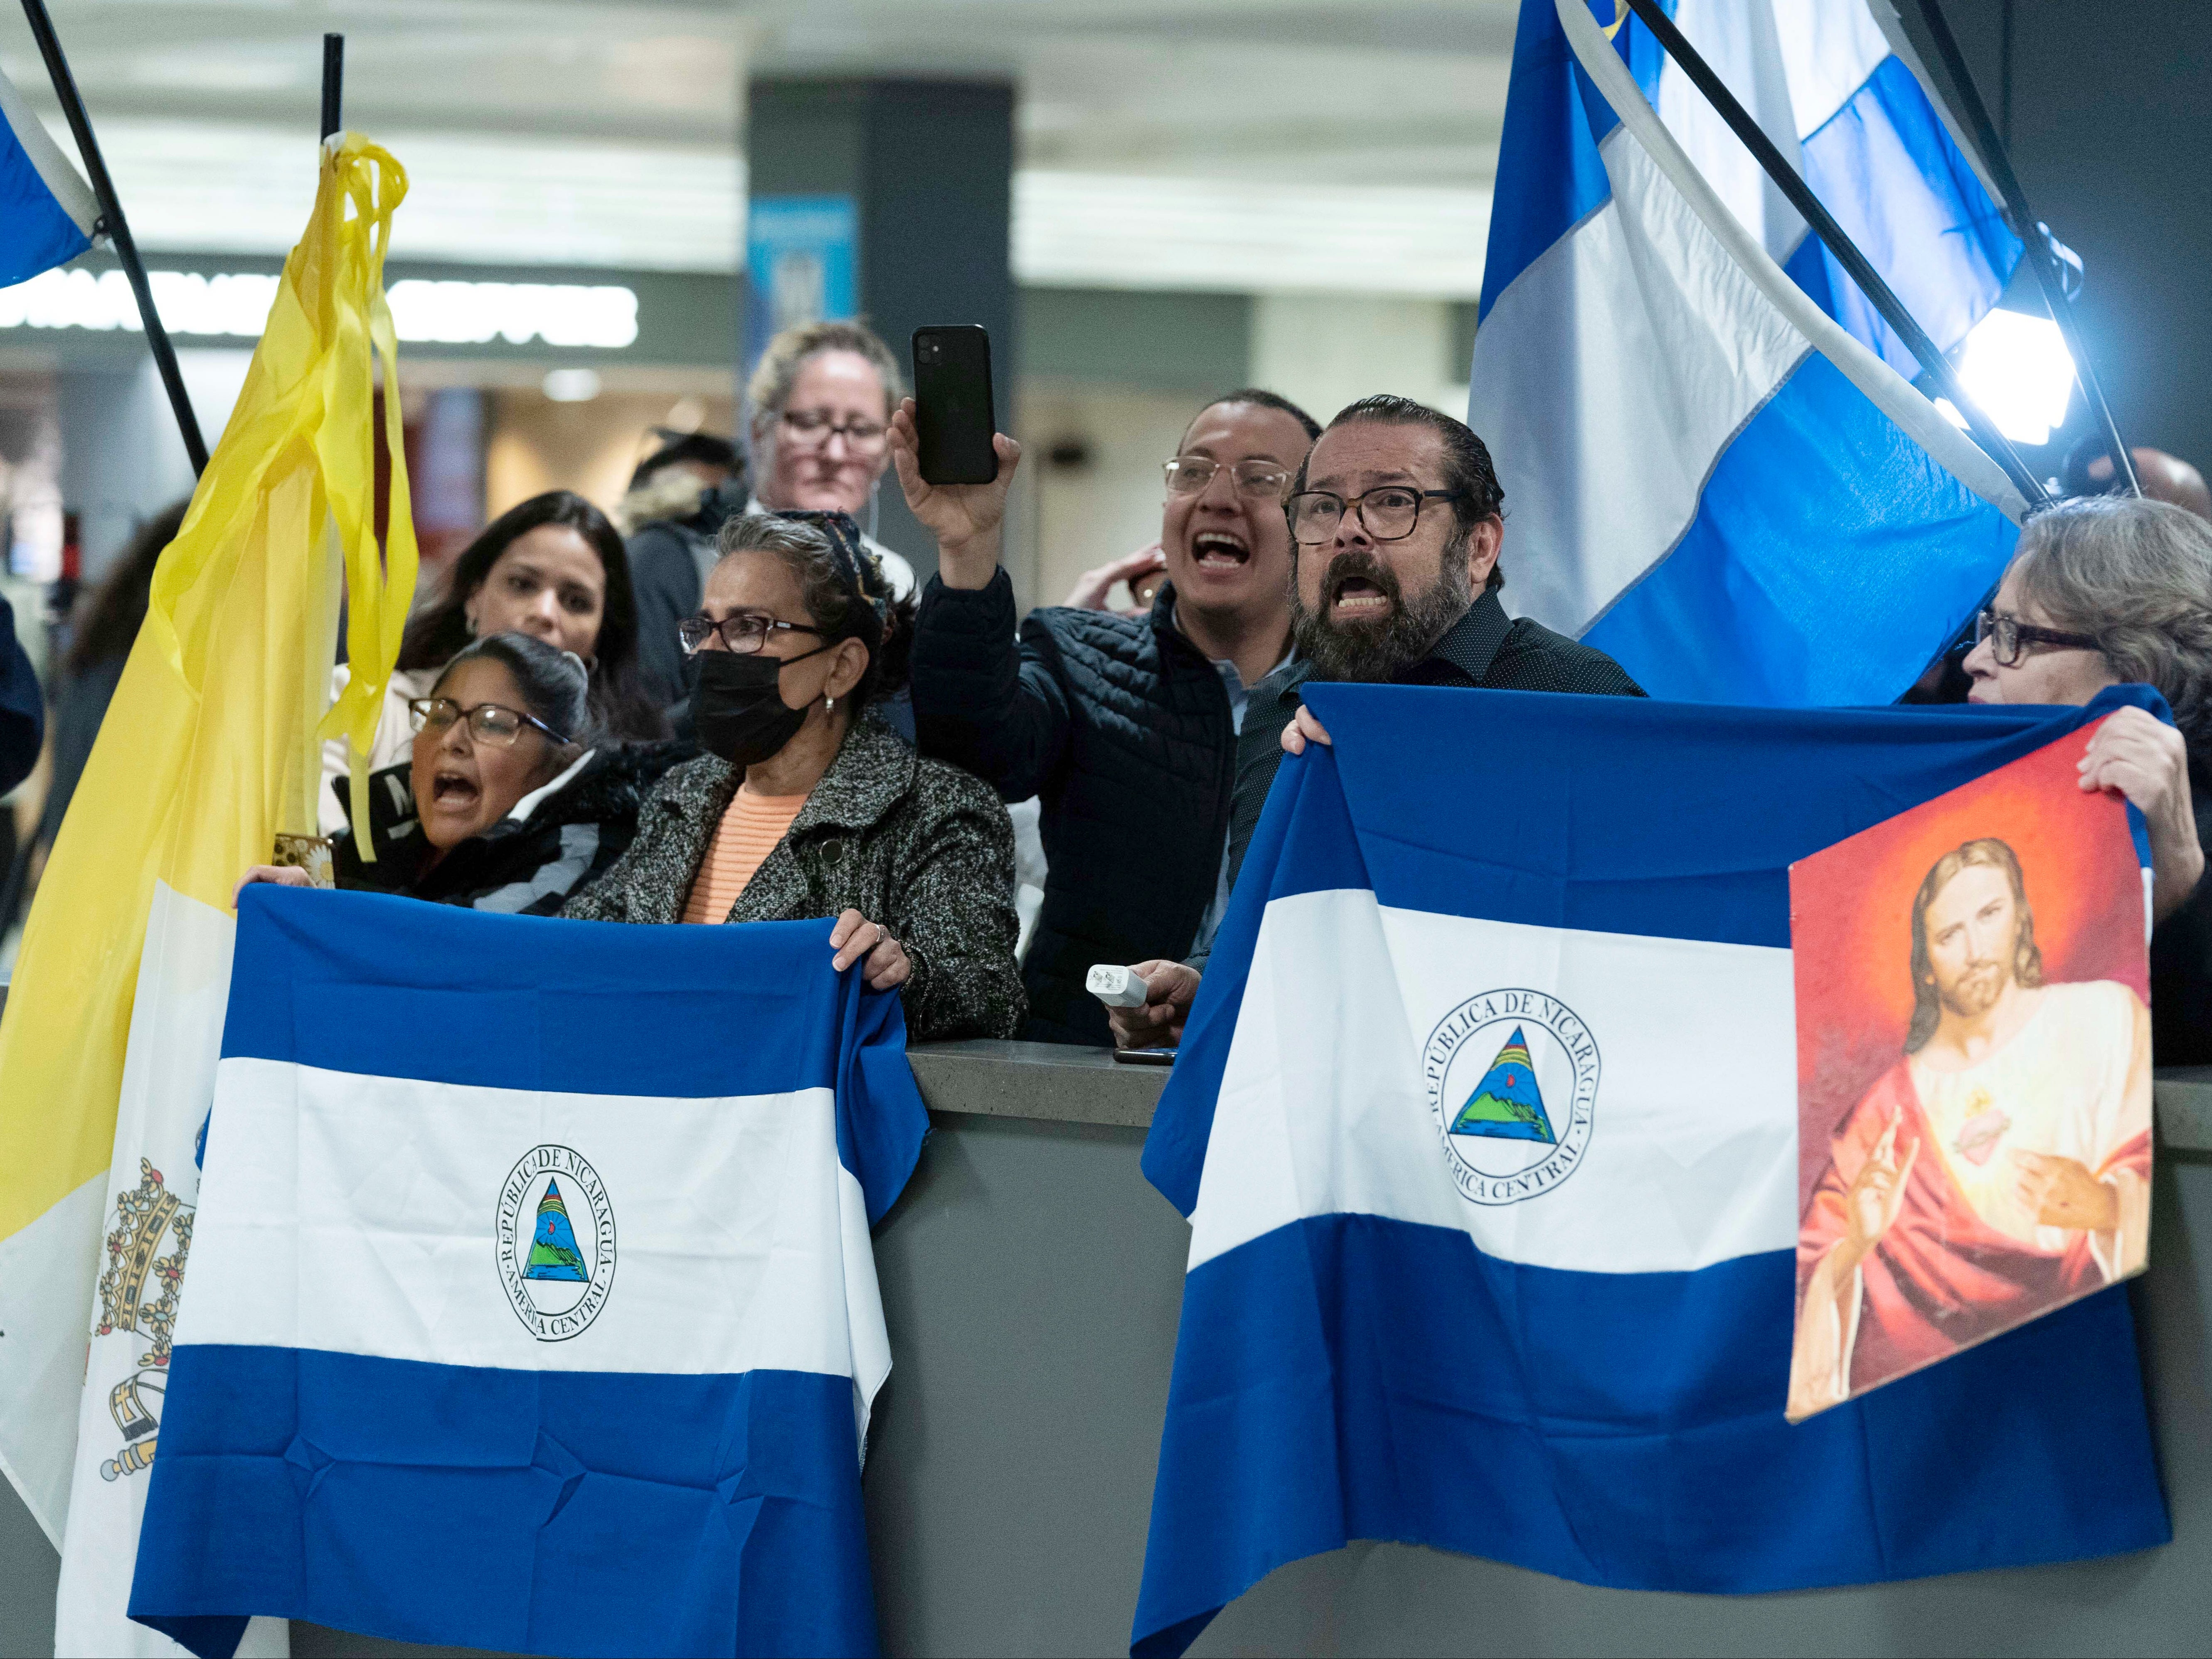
552,567
806,805
503,803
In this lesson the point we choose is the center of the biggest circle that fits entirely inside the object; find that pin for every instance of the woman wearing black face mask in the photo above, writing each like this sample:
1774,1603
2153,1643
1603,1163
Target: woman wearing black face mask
806,805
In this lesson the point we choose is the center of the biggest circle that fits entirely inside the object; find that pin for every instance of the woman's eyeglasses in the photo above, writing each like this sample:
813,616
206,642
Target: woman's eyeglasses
2006,635
744,633
488,722
812,429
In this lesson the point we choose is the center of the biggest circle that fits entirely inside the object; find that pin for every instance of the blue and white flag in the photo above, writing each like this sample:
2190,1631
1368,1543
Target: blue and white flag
47,211
1711,455
532,1303
1580,1365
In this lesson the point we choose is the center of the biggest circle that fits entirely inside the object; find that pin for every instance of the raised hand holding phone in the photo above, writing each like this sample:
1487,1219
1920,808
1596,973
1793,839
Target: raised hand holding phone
966,519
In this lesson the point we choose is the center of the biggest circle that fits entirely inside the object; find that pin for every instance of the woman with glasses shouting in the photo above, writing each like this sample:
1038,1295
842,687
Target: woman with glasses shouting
2106,590
505,802
806,805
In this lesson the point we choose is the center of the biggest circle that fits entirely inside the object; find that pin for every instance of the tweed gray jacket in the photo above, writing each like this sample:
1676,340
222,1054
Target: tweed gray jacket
916,845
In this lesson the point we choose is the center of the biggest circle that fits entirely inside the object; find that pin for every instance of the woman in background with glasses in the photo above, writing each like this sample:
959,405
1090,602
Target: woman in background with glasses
2106,590
505,802
806,805
821,399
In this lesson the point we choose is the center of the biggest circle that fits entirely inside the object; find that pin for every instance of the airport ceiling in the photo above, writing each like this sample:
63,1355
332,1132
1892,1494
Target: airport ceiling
1161,145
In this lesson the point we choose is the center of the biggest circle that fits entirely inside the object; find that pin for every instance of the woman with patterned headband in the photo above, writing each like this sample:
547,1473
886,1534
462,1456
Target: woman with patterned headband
806,805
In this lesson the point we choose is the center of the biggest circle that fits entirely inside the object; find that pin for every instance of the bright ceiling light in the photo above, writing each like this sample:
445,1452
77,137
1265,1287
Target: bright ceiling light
2015,366
1078,229
448,313
572,385
474,314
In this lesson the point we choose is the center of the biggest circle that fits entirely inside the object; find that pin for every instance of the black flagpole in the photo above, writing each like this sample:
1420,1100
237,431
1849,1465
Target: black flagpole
1832,234
333,82
119,230
2031,231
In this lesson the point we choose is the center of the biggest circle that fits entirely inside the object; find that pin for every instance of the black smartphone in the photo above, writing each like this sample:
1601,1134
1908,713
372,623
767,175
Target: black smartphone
953,419
1143,1056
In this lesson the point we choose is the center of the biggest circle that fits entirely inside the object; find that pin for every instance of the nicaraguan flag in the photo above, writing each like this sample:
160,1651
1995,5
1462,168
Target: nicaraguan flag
532,1303
47,211
1709,451
1583,1371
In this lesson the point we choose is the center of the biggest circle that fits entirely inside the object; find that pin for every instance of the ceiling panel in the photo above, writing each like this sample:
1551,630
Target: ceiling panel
583,133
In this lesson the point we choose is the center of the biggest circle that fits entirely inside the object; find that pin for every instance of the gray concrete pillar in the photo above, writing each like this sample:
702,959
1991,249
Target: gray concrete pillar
928,168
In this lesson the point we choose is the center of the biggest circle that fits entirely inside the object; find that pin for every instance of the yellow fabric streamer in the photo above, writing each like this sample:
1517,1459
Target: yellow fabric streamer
210,747
332,302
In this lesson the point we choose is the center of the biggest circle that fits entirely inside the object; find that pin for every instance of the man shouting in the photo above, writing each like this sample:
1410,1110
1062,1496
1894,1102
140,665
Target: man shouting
1396,527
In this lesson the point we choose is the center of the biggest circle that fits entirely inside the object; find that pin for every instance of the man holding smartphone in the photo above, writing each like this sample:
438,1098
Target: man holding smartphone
1125,727
1396,523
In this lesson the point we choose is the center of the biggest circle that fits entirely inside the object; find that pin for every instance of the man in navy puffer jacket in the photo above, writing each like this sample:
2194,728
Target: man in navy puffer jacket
1125,727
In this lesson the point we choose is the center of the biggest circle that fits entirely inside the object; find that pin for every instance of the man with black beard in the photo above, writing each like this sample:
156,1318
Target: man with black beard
1396,523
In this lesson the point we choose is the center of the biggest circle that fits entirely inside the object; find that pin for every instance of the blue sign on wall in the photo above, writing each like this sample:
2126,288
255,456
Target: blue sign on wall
801,260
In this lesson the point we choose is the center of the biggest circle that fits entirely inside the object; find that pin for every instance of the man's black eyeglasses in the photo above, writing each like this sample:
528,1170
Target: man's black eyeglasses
2006,635
745,633
1388,513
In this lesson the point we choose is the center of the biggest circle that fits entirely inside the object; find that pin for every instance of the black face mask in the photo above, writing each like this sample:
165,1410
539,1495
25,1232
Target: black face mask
738,711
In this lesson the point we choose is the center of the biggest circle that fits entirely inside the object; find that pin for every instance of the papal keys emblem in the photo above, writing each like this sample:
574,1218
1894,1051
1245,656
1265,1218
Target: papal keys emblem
138,1293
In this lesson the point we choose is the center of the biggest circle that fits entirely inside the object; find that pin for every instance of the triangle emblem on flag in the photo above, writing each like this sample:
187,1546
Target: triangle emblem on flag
553,1252
1507,1103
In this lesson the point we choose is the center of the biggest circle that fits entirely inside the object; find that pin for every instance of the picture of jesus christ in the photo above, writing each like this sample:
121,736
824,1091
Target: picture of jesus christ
2000,1168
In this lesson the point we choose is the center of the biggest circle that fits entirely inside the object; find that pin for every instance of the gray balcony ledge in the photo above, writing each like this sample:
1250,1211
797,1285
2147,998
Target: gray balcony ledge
1056,1082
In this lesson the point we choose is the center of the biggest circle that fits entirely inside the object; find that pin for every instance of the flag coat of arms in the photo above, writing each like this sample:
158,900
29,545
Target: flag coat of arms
533,1302
1697,419
47,211
1487,1124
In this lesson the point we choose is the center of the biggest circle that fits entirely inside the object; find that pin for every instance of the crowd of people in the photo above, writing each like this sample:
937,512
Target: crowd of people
748,712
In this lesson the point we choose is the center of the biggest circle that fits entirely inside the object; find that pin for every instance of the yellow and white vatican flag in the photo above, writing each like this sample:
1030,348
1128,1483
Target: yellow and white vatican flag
209,750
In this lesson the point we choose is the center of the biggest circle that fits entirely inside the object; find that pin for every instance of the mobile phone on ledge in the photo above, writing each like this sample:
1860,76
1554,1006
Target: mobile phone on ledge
953,419
1143,1056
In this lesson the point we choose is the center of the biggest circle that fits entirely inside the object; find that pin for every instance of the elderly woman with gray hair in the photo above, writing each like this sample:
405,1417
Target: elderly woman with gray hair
2106,590
806,804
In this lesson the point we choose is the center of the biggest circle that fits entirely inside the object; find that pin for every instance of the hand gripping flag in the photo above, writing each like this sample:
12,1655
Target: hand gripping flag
1579,1361
47,211
107,1052
532,1304
1705,437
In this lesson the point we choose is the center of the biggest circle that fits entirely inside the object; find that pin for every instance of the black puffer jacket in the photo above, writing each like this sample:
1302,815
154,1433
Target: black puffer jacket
526,865
1121,727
